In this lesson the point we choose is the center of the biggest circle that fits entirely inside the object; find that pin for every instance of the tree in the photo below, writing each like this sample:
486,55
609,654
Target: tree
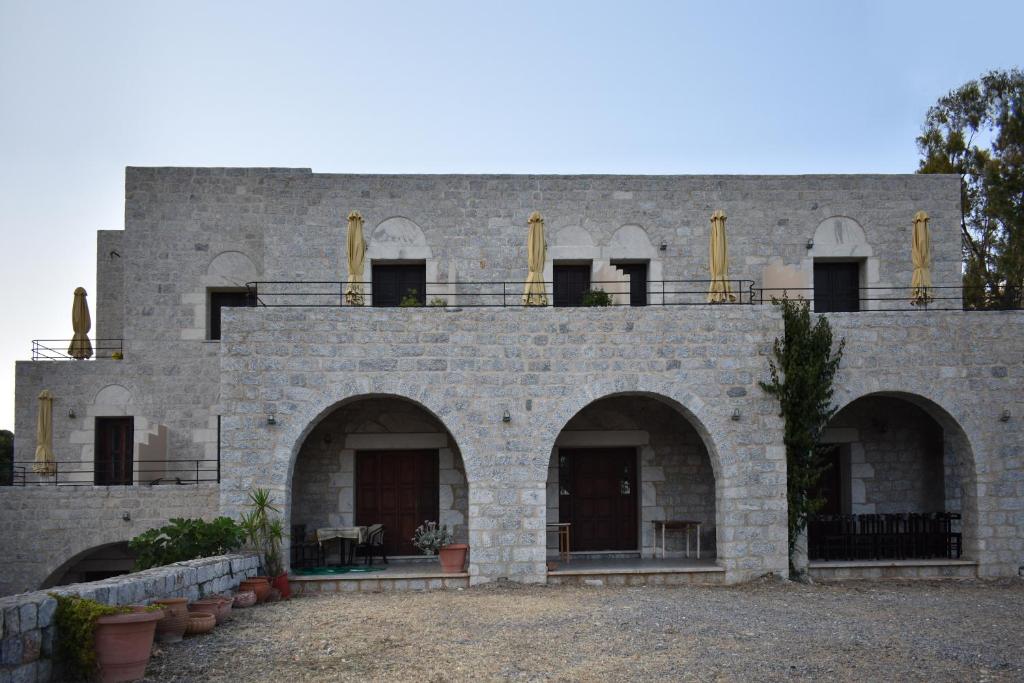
802,369
6,457
977,132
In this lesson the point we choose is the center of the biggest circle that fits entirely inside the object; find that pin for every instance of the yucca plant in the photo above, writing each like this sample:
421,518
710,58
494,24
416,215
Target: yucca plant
264,531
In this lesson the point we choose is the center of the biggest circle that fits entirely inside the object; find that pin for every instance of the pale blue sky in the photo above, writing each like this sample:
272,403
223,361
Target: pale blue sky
435,87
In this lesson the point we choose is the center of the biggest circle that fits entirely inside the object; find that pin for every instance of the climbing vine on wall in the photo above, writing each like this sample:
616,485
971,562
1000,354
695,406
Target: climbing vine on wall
802,368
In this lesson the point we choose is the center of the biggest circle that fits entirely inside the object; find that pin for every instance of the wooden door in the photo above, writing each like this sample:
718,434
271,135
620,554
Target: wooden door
113,451
602,497
637,273
836,287
399,490
570,284
392,283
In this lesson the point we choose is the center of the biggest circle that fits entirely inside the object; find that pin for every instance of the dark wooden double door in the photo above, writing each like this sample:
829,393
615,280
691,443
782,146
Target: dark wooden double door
394,283
836,287
113,458
399,490
598,496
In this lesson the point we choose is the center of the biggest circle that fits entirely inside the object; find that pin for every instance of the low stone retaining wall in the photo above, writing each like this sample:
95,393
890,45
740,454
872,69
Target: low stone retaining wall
26,619
894,569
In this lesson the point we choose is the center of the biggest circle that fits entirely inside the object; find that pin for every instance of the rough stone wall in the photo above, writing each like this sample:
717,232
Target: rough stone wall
323,492
43,529
543,366
675,476
108,302
896,463
28,635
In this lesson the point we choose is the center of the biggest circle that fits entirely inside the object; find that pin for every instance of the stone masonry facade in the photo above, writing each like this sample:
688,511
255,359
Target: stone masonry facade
711,445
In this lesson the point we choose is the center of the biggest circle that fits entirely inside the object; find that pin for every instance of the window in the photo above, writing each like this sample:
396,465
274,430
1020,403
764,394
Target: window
836,287
571,283
637,273
113,451
393,282
221,299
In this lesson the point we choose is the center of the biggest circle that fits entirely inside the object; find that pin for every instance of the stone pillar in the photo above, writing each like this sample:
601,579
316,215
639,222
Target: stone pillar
506,531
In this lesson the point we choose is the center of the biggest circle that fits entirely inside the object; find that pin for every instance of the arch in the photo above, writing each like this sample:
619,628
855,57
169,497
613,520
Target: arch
572,236
230,269
631,241
838,236
113,395
53,578
957,444
397,237
324,481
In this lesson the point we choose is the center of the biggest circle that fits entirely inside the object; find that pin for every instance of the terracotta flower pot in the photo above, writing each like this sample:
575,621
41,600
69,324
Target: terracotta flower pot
200,622
244,598
453,557
171,628
259,585
123,643
225,608
282,585
211,605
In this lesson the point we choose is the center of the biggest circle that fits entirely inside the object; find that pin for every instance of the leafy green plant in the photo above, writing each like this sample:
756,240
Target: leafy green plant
411,299
75,619
802,370
263,530
438,302
429,537
596,297
185,539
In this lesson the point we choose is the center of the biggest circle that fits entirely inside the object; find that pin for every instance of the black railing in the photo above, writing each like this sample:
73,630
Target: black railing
890,299
884,536
141,473
330,294
57,349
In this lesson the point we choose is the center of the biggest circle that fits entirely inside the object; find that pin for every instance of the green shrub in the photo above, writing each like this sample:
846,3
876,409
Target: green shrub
438,302
429,537
75,619
185,539
411,299
596,297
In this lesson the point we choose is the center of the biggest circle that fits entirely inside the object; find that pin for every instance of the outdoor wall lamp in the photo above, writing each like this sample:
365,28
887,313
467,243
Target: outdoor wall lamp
506,417
126,516
810,243
71,413
664,246
736,415
1005,417
271,420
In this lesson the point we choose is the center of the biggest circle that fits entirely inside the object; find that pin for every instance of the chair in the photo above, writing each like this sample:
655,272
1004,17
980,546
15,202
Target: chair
889,539
305,551
373,545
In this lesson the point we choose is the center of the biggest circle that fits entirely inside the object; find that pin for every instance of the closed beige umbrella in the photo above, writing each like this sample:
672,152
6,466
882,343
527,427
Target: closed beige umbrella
921,255
720,290
80,347
356,259
534,293
44,460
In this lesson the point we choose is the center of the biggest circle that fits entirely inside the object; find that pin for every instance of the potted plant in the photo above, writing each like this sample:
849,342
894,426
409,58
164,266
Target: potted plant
596,297
434,539
109,643
264,530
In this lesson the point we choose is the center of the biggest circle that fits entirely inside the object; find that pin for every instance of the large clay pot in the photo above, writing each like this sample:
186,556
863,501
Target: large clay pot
258,585
211,605
244,598
171,628
282,585
123,643
224,611
453,557
200,622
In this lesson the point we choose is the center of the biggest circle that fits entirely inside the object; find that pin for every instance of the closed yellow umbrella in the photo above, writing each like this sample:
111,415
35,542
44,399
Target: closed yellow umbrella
80,347
44,460
356,259
921,255
534,293
720,290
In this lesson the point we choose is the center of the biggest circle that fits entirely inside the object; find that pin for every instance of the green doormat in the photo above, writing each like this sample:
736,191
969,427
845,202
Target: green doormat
337,569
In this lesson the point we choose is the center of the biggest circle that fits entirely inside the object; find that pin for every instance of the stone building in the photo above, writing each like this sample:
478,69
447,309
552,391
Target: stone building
498,419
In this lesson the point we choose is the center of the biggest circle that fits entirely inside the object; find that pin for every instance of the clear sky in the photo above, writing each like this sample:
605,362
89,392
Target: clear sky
87,88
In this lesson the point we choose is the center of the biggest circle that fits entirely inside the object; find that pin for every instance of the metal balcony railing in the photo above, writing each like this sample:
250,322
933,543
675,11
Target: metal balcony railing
869,299
57,349
136,473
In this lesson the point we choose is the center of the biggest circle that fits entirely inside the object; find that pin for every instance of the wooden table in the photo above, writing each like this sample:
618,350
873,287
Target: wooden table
349,536
675,525
562,529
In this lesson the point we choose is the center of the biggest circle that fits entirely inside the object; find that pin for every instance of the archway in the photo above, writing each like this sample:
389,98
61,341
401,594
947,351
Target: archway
377,459
902,463
94,564
623,462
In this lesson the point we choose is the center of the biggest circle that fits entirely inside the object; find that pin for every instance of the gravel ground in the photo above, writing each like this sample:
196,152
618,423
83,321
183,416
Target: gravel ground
867,631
